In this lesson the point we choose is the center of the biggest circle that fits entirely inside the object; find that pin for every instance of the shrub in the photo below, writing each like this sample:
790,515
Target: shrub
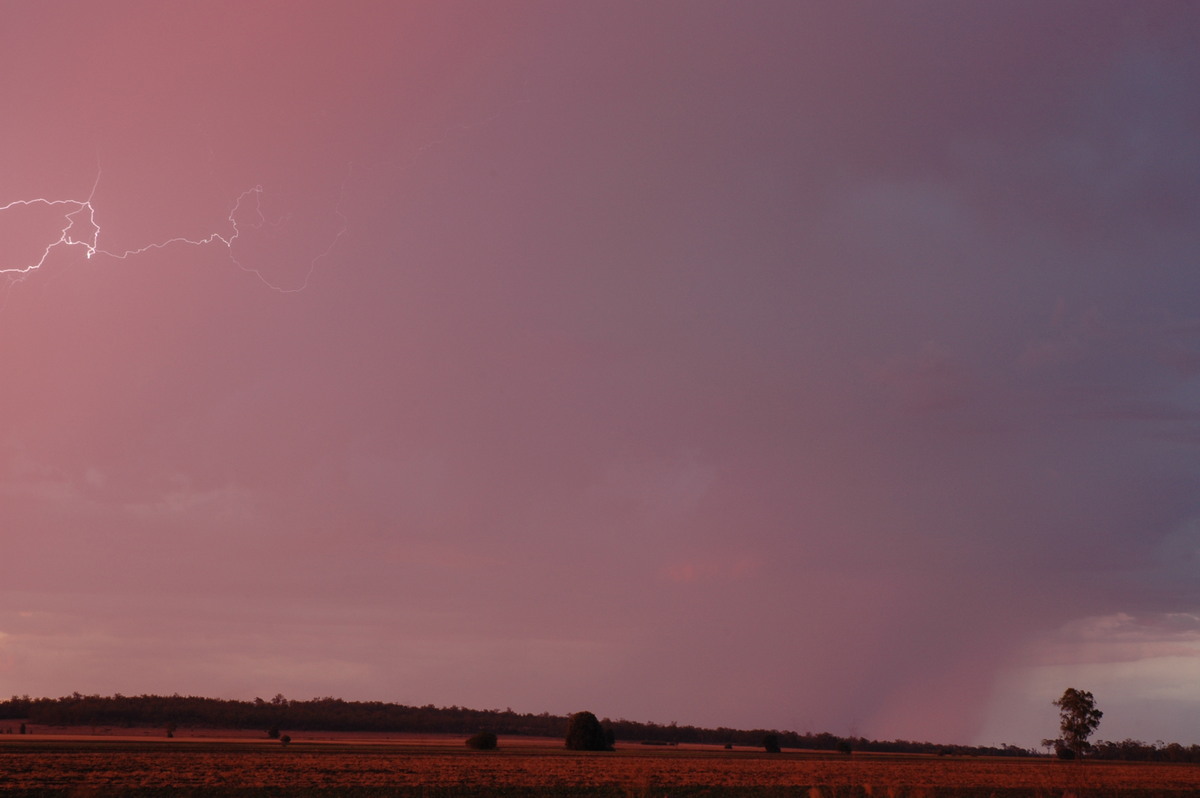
770,742
584,733
483,741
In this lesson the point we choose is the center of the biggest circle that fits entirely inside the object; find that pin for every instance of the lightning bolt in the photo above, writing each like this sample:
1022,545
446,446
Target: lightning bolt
80,229
80,226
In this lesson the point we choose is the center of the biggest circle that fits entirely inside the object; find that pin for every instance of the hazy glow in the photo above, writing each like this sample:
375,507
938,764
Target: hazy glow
828,366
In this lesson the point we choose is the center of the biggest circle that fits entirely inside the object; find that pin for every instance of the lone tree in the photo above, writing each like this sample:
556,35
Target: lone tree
1079,718
584,733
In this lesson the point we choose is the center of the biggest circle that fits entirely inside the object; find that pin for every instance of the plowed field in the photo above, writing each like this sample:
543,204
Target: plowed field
205,768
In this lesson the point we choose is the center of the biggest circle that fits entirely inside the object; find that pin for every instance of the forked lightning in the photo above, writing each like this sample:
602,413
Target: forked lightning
81,229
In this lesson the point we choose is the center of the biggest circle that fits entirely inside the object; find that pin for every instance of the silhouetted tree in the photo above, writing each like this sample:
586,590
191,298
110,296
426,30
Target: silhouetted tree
1079,718
584,733
770,742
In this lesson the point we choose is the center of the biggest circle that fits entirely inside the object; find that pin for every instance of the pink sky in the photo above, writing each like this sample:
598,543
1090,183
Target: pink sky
825,366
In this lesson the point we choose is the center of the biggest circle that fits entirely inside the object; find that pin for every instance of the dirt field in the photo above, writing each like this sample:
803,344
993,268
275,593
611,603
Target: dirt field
95,766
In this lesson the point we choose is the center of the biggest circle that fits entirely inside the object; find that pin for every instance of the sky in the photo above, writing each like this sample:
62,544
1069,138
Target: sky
827,366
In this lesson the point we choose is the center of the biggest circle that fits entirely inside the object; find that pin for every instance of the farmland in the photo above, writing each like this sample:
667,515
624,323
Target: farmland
97,766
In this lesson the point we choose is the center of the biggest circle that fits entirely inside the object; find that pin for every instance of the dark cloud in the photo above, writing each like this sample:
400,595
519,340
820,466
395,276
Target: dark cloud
825,366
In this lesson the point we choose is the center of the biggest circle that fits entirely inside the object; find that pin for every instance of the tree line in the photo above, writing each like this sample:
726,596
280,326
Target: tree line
335,714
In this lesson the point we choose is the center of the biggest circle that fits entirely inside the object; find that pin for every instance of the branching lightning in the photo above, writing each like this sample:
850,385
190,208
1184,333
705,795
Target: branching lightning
80,222
81,229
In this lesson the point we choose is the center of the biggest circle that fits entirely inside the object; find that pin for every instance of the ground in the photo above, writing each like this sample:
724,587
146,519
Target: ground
210,763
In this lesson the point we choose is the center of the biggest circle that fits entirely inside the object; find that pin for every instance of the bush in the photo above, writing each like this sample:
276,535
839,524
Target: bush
484,741
584,733
771,743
